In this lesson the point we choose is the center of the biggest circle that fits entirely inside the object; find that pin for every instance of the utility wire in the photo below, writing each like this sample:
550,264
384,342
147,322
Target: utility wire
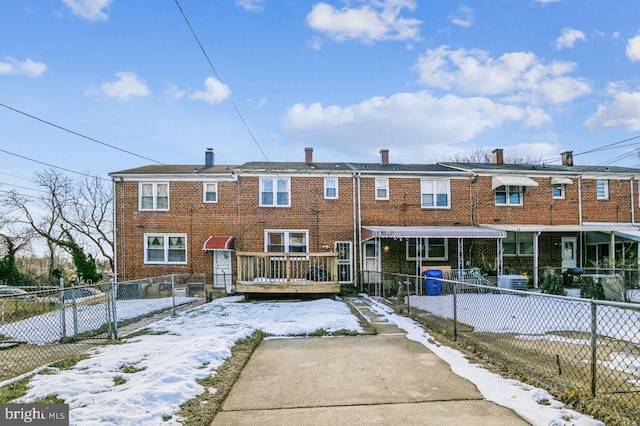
22,187
204,52
51,165
78,134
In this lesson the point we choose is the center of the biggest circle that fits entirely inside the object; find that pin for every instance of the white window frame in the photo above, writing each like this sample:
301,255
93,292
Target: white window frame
424,242
329,184
508,190
286,237
275,183
602,189
166,238
382,184
560,186
153,195
430,187
205,190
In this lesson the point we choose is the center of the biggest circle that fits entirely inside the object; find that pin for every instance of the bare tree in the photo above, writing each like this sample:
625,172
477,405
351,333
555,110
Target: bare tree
485,155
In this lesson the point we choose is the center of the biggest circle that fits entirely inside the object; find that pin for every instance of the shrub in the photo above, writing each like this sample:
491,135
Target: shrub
552,282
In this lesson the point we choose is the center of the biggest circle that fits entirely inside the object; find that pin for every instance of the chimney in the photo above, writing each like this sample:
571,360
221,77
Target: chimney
567,158
308,155
208,157
498,157
384,154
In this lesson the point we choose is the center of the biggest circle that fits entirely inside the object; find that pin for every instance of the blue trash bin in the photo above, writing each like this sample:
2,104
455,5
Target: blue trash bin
433,286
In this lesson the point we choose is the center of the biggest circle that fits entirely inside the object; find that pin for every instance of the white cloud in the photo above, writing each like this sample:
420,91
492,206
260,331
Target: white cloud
91,10
214,92
12,66
413,122
547,1
127,86
633,49
376,20
251,5
622,111
569,37
518,76
463,17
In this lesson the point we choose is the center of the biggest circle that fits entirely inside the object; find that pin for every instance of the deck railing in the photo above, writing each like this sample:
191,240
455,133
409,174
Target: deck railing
287,272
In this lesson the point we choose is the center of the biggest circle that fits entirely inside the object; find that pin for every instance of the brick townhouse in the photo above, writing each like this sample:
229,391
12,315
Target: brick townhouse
378,216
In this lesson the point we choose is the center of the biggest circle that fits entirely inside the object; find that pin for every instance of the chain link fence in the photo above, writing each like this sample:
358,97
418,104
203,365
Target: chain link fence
581,350
42,326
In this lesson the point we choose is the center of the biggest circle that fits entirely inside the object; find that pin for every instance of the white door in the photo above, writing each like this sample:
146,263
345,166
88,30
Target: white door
222,269
371,262
569,252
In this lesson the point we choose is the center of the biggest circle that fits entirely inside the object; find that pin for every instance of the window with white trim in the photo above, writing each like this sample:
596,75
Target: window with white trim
428,248
602,190
331,188
210,192
508,195
518,244
558,190
165,248
286,241
382,188
275,192
435,193
153,196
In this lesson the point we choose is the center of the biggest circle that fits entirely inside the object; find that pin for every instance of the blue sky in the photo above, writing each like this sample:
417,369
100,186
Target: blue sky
424,79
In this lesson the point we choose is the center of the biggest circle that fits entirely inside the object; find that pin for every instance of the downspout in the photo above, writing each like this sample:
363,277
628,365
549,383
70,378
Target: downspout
580,200
356,249
360,259
536,261
122,233
633,206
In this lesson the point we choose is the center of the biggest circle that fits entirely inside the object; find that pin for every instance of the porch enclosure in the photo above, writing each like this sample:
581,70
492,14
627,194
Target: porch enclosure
310,273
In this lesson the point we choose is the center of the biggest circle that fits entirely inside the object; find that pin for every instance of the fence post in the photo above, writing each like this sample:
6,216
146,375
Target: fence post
455,312
173,293
114,309
108,307
63,317
74,309
408,282
594,359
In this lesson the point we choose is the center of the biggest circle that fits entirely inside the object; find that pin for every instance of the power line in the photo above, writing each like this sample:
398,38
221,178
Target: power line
22,187
17,177
79,134
204,52
51,165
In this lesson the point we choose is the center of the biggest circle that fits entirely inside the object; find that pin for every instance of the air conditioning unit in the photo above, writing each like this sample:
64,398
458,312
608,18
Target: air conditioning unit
513,282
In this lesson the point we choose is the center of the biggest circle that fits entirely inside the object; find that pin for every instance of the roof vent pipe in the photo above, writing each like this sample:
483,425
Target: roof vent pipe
208,157
498,156
308,155
384,157
567,158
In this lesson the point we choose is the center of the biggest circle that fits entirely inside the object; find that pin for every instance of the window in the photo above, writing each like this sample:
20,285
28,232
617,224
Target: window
518,244
558,190
509,196
210,190
165,248
427,248
331,188
154,196
279,241
382,188
602,189
435,193
275,192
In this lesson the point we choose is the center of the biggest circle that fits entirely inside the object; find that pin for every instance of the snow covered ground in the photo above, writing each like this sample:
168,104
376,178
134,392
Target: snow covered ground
196,343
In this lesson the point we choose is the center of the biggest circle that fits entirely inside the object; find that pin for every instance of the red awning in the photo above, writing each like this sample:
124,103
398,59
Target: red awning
218,242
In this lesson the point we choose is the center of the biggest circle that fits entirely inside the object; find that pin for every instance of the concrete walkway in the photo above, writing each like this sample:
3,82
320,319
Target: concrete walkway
384,379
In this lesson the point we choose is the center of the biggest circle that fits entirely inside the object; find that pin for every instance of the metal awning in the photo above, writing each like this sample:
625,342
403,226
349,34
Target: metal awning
561,180
369,232
630,235
218,242
509,180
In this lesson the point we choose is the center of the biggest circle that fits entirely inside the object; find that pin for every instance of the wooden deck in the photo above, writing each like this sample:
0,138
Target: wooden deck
287,273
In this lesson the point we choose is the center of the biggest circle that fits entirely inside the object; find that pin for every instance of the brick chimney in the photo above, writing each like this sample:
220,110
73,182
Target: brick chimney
308,155
567,158
208,157
498,156
384,157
